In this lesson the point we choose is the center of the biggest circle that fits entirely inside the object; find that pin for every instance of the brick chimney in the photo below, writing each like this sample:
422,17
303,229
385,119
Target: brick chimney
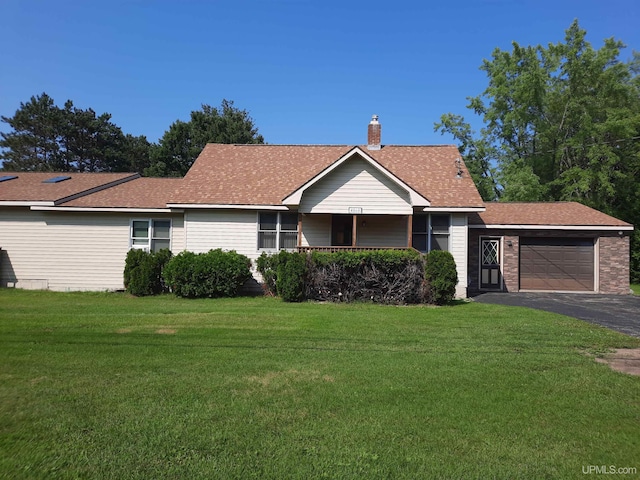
373,134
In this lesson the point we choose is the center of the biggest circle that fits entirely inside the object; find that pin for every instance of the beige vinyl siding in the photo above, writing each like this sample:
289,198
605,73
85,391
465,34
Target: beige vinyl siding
382,231
67,250
316,230
356,183
458,247
226,229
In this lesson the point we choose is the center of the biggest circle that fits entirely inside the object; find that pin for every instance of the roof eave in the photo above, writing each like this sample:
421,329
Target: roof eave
224,206
552,227
25,203
454,209
105,209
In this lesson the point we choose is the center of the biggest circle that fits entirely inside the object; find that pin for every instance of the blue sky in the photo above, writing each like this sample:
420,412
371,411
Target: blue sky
307,71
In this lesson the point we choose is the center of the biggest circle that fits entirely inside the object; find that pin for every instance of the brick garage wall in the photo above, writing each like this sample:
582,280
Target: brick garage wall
614,264
612,252
510,258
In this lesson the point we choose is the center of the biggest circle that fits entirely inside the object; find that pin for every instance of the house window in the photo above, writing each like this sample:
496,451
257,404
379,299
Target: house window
420,229
431,232
151,235
277,230
440,232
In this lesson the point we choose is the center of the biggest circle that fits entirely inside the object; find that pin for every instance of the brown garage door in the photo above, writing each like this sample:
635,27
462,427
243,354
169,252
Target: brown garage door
556,264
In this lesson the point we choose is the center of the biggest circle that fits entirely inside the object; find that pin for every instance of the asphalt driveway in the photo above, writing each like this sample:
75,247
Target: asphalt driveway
618,312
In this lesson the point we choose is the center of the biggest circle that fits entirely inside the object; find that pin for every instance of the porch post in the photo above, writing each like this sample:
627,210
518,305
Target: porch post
299,229
409,231
354,231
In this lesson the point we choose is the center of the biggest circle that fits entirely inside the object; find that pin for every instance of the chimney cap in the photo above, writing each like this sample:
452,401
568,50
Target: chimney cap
374,119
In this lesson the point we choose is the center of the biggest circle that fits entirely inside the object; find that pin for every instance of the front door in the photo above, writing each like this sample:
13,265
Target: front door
341,230
490,277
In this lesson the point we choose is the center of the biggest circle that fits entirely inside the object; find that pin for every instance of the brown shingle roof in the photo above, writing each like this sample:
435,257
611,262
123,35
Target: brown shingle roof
543,213
266,174
28,187
138,193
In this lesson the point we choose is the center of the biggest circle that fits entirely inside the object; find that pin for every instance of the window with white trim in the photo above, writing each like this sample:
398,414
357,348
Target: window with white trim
150,234
277,230
431,232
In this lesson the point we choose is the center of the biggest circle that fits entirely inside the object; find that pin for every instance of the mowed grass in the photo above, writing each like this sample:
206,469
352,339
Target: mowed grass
636,289
110,386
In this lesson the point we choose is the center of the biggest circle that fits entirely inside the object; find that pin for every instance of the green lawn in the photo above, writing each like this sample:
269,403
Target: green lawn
110,386
636,289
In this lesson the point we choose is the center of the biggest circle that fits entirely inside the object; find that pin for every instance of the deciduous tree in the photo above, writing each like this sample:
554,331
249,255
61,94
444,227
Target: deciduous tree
561,122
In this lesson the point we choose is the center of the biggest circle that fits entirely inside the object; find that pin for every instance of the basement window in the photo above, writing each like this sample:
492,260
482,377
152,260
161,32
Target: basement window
150,235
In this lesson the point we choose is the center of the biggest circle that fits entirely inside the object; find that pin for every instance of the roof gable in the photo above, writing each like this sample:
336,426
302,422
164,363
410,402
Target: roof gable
355,154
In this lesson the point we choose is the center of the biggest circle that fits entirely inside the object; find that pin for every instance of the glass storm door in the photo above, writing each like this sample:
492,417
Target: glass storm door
490,264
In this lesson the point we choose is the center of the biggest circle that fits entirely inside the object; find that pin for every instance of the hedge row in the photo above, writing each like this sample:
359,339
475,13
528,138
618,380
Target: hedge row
193,275
381,276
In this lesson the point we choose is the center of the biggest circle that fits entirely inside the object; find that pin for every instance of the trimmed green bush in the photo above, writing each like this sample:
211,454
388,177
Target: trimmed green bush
381,276
441,276
143,272
291,273
267,266
283,274
213,274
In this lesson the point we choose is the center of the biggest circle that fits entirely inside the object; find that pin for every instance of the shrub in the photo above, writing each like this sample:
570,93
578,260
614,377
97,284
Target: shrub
143,272
382,276
291,273
267,266
213,274
441,276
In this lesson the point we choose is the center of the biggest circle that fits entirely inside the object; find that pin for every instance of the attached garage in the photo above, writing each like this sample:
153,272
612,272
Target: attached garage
557,264
553,247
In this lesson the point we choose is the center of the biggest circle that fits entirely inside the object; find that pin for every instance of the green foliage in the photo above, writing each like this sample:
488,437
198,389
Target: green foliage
441,276
283,274
143,272
381,276
561,122
477,153
267,266
213,274
49,138
45,137
291,276
383,258
635,255
183,142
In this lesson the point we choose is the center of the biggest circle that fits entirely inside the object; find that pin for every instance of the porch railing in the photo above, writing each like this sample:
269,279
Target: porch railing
309,249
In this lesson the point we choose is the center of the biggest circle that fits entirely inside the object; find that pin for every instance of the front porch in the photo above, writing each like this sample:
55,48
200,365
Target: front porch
355,232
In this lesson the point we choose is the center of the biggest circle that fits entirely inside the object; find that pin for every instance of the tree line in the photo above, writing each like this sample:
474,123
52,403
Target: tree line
46,137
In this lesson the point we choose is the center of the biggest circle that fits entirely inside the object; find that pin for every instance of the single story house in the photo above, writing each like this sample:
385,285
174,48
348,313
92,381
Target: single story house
72,231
